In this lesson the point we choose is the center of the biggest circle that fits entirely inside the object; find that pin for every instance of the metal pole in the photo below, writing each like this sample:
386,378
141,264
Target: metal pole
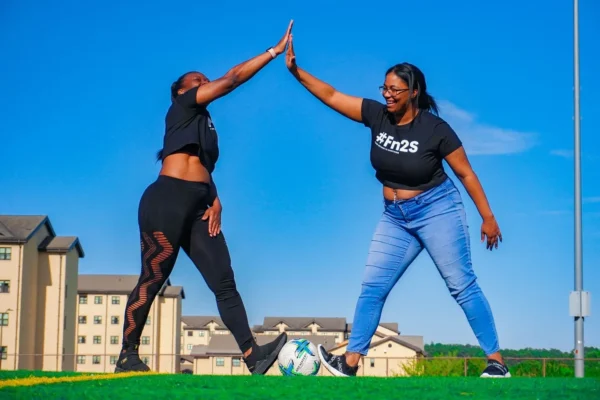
579,346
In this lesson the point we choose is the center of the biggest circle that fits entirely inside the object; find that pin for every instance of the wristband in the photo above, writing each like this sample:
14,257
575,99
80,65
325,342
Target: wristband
272,52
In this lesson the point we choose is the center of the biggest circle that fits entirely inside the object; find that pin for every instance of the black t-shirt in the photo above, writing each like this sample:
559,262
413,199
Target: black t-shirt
188,123
408,156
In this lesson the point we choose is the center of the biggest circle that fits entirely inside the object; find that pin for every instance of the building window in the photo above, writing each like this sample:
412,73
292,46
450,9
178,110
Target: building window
83,299
113,360
145,339
372,363
190,333
97,299
114,320
236,362
190,346
201,334
115,300
4,286
3,352
82,319
81,339
114,340
95,359
80,359
148,321
4,319
5,253
220,362
97,339
146,360
97,319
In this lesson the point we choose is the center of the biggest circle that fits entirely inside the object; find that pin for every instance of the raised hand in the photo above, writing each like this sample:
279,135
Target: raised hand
280,47
290,56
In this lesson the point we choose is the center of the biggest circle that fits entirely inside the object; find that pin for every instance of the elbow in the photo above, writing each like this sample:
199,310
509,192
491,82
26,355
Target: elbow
231,80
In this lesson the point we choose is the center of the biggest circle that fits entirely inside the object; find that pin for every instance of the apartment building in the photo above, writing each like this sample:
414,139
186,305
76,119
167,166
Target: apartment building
220,355
101,301
197,331
38,290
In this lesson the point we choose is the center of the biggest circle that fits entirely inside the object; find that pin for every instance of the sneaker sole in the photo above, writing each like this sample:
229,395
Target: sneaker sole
264,367
486,375
329,368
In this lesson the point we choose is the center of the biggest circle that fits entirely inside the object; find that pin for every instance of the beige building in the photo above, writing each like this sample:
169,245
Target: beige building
38,290
221,355
101,301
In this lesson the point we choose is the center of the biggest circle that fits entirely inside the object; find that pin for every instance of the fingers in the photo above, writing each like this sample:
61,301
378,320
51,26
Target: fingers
289,29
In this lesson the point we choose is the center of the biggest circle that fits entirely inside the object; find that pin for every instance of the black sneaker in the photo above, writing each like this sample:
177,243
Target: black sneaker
263,357
495,369
336,364
129,361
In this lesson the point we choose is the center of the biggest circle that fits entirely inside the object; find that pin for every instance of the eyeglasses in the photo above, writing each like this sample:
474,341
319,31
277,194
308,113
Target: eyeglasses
393,91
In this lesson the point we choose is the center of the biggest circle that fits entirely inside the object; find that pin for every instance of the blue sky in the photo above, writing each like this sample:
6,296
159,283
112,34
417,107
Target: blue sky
85,91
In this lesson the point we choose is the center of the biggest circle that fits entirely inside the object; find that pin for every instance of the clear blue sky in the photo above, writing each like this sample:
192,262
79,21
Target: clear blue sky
85,89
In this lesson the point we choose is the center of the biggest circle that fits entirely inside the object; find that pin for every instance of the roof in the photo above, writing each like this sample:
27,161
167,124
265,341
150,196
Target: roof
302,323
393,326
173,291
61,244
225,345
410,342
201,322
19,228
116,284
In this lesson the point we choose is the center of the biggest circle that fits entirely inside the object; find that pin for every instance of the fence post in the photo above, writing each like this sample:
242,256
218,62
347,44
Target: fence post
544,367
466,367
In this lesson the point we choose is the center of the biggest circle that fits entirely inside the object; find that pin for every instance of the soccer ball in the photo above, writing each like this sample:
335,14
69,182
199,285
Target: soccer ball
299,357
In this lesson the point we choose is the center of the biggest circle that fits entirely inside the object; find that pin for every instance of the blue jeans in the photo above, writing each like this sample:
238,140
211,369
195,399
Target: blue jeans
434,220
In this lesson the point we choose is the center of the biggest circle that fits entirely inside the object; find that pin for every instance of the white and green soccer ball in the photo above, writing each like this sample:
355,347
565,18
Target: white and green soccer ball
299,357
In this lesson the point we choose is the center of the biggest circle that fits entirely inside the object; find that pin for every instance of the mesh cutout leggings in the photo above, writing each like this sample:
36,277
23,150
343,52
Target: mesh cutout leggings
169,218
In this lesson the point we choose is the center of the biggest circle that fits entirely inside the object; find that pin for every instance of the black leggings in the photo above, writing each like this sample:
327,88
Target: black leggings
169,218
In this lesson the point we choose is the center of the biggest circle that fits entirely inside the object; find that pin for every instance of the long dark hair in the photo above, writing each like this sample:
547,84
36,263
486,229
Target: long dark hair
415,79
175,86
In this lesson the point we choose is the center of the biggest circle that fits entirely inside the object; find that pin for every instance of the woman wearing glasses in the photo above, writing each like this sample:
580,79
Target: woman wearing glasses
422,207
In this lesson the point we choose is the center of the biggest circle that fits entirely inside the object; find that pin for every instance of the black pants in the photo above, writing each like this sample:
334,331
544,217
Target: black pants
169,218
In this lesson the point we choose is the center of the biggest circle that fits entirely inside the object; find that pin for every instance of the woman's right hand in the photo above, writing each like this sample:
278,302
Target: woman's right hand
280,47
290,56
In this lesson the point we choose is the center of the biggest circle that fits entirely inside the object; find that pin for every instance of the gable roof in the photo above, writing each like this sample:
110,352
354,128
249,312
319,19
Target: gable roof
201,322
393,326
113,284
410,342
172,291
303,323
20,228
61,244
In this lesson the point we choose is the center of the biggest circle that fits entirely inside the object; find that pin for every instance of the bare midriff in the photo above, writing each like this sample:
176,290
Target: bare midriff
186,167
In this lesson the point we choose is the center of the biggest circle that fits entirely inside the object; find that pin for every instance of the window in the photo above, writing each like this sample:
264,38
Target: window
3,352
81,339
97,319
145,339
114,320
201,334
190,346
5,253
97,339
113,360
114,340
4,286
80,359
372,363
190,333
148,321
97,299
236,362
82,319
4,319
220,362
115,300
146,360
83,299
95,359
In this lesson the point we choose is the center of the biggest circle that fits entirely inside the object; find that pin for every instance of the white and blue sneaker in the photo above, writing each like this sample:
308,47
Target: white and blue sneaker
495,369
336,364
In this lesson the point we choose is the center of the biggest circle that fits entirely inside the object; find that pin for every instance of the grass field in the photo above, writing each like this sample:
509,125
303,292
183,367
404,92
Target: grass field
40,385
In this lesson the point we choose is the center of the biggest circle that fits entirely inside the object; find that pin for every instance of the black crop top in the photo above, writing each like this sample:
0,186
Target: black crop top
188,123
408,156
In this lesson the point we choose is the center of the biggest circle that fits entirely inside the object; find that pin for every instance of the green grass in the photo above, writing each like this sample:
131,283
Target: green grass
266,387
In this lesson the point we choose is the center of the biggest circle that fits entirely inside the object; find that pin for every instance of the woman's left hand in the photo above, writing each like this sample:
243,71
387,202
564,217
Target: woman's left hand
490,228
213,214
